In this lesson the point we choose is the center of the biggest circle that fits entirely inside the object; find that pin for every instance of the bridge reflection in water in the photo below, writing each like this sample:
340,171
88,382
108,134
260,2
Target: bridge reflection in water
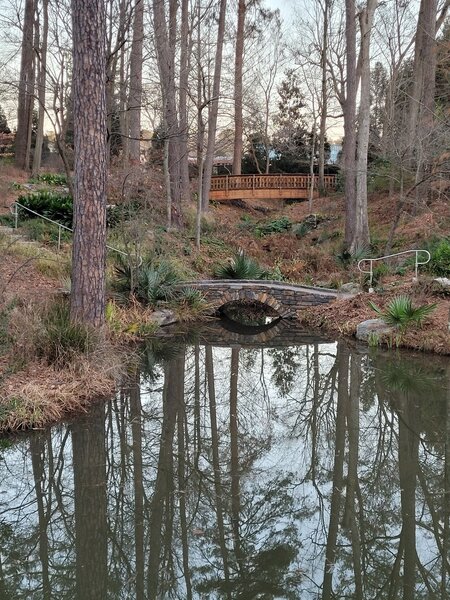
243,187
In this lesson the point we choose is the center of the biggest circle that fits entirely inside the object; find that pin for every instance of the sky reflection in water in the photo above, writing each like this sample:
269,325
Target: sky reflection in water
308,470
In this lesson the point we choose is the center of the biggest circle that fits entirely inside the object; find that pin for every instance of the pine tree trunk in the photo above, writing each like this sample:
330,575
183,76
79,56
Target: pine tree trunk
89,111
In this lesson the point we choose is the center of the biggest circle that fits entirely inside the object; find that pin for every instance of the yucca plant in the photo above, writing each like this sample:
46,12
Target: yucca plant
241,267
401,313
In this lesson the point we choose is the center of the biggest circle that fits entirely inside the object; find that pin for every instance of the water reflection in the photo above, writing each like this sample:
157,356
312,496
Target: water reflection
305,471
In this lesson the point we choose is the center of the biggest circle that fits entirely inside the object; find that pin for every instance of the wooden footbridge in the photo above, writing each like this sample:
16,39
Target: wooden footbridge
248,187
283,298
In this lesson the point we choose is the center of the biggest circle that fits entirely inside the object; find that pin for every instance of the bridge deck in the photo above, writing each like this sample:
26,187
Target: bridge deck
233,187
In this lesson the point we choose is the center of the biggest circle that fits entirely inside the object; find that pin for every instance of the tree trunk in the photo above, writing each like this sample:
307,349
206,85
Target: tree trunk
165,49
349,126
361,235
26,90
185,52
89,110
214,108
42,77
135,95
90,504
324,96
238,66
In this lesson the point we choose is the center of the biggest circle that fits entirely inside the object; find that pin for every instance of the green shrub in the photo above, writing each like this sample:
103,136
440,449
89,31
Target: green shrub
440,258
276,226
52,178
58,207
58,339
401,313
156,284
241,267
150,283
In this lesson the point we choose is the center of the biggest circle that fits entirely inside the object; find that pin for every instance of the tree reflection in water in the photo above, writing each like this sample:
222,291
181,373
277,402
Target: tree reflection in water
311,471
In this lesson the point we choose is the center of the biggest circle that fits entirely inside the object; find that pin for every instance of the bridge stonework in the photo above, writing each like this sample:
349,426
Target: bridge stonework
284,299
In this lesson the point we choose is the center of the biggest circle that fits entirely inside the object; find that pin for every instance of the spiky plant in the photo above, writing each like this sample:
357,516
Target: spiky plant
156,283
401,313
241,267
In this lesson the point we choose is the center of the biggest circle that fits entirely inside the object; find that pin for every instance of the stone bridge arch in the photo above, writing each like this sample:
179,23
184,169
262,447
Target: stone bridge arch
248,295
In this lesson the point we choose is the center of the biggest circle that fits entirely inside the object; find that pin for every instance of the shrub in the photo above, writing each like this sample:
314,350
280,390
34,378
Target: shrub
400,312
276,226
241,267
440,257
52,178
150,283
156,284
58,207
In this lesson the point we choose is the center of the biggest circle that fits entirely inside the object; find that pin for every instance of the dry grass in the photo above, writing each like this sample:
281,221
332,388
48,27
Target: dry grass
343,316
42,394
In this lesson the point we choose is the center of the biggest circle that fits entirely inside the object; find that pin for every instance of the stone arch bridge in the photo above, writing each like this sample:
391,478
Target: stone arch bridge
284,298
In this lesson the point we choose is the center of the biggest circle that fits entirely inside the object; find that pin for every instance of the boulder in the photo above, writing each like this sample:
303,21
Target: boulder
164,317
350,288
441,285
372,327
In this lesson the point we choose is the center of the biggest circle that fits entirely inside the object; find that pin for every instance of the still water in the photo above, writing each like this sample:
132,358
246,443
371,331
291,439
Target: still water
227,468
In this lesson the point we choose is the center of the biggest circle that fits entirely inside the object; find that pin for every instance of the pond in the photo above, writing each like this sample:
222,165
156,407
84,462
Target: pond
229,467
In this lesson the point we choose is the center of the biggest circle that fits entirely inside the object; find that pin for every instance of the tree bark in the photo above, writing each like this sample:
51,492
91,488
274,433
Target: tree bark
238,66
214,108
42,78
349,126
166,62
135,95
324,97
361,235
26,90
89,110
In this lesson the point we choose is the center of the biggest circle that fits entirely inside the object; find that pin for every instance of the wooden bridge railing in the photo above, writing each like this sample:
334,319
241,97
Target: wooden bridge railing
268,182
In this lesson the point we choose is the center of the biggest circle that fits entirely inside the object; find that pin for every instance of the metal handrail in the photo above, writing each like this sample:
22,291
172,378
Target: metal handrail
372,260
13,209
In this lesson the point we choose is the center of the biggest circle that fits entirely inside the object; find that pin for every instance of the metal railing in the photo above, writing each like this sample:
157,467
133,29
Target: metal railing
372,260
14,209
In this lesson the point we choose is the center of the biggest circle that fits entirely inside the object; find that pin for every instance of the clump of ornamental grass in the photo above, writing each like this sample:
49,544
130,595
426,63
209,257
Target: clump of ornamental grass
59,339
401,313
241,266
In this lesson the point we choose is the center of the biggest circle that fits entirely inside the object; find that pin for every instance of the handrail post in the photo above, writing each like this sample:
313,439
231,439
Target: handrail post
16,215
371,276
59,238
